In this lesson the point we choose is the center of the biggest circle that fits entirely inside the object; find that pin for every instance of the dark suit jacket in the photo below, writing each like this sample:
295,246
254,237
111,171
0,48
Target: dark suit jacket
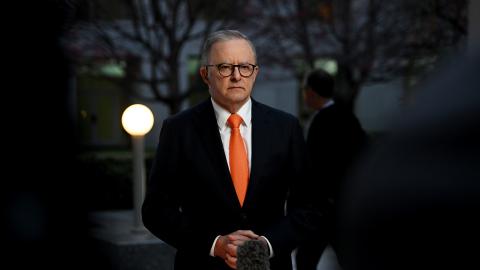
334,140
190,196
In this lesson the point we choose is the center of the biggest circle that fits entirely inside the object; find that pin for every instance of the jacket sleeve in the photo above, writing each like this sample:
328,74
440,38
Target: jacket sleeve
162,209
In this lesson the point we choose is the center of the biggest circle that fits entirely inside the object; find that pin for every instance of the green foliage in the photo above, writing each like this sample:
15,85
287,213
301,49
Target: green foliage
107,181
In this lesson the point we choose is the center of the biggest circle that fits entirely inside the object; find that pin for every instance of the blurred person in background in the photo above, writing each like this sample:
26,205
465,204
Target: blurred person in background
335,138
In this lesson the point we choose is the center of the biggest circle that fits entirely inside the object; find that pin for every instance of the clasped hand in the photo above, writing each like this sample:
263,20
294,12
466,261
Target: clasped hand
226,245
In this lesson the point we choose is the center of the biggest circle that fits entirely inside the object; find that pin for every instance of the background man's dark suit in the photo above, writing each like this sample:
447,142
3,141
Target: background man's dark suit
190,196
334,139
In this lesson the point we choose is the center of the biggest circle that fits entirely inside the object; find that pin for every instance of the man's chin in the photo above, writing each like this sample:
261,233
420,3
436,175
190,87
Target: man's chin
238,99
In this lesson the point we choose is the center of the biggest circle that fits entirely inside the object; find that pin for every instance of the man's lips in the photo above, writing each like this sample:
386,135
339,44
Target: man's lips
235,87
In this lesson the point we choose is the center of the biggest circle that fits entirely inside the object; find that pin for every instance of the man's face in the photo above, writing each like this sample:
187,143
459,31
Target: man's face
234,90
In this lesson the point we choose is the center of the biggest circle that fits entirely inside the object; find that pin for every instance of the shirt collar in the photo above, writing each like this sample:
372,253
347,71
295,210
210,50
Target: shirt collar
329,103
222,115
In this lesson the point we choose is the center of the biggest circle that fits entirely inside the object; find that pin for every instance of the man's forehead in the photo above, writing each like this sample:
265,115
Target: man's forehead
232,56
231,46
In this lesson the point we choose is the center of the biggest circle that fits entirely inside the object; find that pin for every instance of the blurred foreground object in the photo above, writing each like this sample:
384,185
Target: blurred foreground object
413,201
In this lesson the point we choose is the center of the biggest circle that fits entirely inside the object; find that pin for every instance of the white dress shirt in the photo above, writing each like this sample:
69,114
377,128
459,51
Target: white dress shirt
222,116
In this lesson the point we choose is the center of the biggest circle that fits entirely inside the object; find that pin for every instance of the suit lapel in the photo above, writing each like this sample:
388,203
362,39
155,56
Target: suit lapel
260,148
207,128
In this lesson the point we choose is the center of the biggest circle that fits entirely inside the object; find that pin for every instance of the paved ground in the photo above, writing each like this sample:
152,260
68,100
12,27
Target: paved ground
127,247
117,227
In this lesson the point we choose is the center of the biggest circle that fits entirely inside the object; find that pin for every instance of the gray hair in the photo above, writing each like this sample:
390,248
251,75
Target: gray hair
223,35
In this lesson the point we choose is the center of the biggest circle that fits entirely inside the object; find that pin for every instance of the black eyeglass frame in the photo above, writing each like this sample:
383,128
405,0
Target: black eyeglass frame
232,69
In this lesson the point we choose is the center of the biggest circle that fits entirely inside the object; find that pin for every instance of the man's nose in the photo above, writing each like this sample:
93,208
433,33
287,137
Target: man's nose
236,74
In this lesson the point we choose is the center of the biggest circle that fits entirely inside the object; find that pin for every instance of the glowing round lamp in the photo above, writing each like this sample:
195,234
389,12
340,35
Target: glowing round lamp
137,120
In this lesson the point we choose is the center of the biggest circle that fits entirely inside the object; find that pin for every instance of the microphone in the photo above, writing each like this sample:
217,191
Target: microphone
253,255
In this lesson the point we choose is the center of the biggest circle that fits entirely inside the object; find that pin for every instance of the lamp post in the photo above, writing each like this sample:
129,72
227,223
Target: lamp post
137,120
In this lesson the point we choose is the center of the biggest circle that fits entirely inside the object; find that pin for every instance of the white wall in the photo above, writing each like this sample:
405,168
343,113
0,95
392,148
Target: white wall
277,90
377,104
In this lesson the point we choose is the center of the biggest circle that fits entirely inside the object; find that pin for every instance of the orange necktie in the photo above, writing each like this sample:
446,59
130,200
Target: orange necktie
238,158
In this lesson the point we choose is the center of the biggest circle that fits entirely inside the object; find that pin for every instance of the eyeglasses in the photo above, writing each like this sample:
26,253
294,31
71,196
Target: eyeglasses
226,70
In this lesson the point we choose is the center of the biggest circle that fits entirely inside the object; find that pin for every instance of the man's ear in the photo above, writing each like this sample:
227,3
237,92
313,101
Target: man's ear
204,74
309,92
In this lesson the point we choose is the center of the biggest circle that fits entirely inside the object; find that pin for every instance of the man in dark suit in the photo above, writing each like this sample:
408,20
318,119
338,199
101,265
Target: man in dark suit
334,139
193,201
